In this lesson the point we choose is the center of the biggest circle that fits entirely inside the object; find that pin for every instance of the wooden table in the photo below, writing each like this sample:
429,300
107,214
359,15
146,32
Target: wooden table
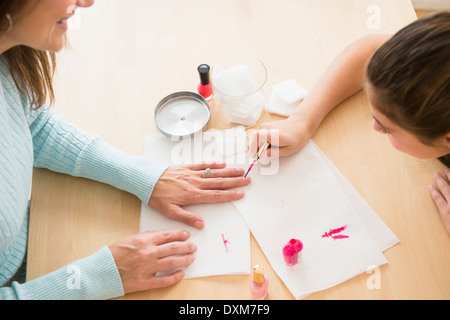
127,55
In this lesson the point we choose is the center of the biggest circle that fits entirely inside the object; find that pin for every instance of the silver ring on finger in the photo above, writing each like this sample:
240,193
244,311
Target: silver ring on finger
208,173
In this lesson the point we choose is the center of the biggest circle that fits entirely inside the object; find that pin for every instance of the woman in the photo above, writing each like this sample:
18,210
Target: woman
31,134
407,81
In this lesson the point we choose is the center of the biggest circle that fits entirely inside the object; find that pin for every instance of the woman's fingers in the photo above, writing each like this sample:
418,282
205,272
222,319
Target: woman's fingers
176,212
180,186
221,173
174,262
203,166
223,183
213,196
166,236
165,281
176,248
140,257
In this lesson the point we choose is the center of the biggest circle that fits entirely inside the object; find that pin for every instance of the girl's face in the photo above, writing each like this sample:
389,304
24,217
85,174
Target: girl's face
404,140
41,24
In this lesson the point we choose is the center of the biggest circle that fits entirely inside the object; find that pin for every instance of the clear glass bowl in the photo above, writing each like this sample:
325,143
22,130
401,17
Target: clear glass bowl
240,89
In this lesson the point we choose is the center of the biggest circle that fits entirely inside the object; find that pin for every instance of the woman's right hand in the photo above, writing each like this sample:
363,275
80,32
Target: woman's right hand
286,137
139,257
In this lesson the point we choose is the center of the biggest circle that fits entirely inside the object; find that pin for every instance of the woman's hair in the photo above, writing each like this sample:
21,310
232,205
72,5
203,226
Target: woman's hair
31,69
410,74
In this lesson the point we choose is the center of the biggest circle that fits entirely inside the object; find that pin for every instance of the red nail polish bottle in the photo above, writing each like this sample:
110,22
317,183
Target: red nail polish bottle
204,88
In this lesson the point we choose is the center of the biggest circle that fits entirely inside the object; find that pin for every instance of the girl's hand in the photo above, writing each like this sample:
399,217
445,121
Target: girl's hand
441,196
179,186
286,137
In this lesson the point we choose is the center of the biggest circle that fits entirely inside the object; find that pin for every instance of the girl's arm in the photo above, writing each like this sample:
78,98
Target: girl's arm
343,78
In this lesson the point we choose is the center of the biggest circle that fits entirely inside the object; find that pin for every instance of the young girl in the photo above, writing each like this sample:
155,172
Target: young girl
407,81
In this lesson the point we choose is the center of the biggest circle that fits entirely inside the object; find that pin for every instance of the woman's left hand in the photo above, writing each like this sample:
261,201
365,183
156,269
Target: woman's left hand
441,196
179,186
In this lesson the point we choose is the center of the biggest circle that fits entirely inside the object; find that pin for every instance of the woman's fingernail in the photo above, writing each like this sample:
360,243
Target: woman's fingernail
199,224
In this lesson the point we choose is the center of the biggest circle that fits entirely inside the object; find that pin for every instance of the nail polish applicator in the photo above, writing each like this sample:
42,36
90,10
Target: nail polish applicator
257,156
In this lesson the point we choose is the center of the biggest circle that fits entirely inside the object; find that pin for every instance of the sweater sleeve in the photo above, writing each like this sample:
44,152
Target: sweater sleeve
62,147
92,278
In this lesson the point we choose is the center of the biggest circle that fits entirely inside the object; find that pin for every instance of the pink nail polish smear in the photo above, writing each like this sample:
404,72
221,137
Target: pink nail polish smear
225,243
291,251
259,284
204,88
333,233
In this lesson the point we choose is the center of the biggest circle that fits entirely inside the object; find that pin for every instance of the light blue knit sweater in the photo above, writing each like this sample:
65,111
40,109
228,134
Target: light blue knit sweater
43,139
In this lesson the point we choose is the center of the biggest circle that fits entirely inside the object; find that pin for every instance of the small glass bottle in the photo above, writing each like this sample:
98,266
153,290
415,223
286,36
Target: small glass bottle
259,284
291,251
205,87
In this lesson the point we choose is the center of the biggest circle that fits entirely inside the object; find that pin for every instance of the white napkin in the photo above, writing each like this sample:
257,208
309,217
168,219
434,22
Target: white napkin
305,199
380,232
223,245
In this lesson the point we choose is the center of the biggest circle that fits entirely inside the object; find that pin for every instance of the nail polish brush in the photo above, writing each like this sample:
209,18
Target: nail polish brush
257,156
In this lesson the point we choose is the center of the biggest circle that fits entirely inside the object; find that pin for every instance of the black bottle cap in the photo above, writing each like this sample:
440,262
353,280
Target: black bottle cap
203,70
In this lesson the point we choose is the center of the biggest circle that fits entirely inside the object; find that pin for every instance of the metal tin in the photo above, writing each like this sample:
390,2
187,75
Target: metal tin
182,114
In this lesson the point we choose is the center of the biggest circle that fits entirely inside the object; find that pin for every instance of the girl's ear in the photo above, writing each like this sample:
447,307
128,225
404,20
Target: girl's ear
447,138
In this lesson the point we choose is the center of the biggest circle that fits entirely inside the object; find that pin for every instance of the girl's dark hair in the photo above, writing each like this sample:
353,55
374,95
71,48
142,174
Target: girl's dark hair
31,69
411,77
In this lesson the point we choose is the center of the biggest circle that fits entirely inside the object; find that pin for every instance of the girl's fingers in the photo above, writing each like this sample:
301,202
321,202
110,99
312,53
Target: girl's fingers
438,199
443,185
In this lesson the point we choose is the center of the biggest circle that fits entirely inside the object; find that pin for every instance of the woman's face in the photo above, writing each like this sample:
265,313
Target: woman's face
41,24
404,140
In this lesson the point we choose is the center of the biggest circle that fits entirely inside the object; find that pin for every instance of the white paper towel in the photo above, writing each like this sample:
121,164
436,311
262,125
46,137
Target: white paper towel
303,196
223,245
305,199
380,232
